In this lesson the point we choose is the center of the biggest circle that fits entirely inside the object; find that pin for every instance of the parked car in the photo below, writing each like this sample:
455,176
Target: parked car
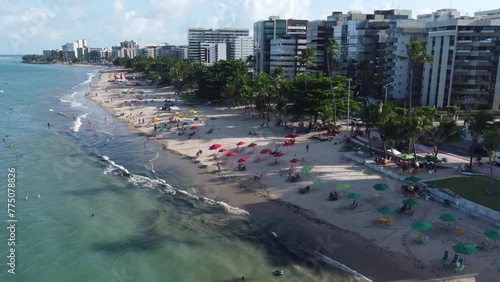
497,159
356,121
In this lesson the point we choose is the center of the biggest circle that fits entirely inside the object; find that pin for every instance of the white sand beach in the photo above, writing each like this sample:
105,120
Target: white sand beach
230,126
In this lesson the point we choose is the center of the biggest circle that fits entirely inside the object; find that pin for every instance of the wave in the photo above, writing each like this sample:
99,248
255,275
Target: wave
89,78
358,276
72,101
162,186
1,91
77,123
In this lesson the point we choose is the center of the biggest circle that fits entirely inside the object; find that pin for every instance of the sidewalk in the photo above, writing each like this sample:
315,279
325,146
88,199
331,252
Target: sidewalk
454,162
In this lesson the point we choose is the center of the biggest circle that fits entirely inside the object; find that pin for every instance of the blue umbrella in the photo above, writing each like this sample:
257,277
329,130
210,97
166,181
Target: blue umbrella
185,123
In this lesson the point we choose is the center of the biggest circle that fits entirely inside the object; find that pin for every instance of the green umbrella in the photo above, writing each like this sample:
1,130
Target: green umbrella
413,179
448,217
353,196
421,225
385,210
410,202
498,269
380,187
464,249
197,118
320,181
343,187
492,234
405,157
306,169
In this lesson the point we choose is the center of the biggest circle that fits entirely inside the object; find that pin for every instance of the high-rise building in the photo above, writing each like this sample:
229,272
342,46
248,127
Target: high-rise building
173,51
466,63
198,36
397,66
284,53
273,28
127,49
316,40
211,53
243,47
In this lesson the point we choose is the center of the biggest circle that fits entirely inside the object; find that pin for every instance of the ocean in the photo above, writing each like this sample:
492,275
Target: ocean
110,208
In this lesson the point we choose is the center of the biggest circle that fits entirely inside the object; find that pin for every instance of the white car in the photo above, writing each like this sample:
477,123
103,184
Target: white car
357,121
497,159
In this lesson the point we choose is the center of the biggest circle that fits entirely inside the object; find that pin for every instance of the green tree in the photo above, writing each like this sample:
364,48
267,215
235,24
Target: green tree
478,123
332,48
417,55
491,142
447,131
304,60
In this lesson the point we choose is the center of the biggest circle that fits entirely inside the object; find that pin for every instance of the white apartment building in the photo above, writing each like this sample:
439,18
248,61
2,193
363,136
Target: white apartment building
243,47
284,53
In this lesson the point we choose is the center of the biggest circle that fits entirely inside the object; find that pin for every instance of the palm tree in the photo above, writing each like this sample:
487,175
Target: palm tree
446,132
250,61
491,142
278,79
331,51
477,125
417,54
306,59
386,122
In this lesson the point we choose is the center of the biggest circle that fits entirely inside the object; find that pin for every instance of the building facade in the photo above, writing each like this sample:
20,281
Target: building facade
199,36
284,53
243,47
466,63
316,40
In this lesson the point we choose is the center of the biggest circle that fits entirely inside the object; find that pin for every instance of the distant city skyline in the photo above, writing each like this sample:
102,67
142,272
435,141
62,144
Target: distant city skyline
28,26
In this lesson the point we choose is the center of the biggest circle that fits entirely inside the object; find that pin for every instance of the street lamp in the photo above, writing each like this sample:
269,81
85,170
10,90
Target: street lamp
334,107
385,86
348,102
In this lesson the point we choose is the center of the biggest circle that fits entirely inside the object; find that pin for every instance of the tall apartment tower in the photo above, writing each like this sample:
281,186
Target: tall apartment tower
243,47
199,37
466,63
317,38
273,28
284,53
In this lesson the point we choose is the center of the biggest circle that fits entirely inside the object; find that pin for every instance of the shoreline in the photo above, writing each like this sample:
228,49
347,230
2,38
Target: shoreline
294,224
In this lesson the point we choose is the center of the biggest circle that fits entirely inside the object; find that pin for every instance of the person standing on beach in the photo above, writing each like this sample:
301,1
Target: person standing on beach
307,148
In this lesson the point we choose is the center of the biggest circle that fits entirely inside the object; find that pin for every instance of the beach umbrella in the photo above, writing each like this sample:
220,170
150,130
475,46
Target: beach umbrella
353,196
294,160
240,143
410,202
279,154
412,179
492,234
320,181
448,217
185,123
385,210
197,118
464,249
265,151
288,144
177,113
292,135
405,157
223,150
252,144
343,187
380,187
215,147
498,269
194,128
306,169
421,225
232,154
242,160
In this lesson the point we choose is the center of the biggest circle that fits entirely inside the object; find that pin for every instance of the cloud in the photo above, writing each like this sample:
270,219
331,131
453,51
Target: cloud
118,6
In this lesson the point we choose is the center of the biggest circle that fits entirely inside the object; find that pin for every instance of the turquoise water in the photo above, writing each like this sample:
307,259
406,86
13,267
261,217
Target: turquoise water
141,229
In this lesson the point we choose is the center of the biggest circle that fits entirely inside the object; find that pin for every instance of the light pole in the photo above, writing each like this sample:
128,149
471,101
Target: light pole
334,108
348,102
385,86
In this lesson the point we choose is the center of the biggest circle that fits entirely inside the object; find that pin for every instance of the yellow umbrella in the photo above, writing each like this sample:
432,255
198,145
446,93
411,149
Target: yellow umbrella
177,113
192,111
156,119
183,116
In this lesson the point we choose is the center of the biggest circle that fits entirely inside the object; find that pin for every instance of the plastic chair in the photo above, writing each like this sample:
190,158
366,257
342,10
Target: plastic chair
455,258
446,262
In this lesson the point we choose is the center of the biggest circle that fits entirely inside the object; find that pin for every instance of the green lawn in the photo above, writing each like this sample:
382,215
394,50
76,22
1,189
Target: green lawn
472,188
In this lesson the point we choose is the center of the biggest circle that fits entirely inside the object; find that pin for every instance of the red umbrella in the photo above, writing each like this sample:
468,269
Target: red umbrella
232,154
287,144
279,154
215,146
242,160
295,160
222,150
252,145
265,151
194,128
240,143
292,135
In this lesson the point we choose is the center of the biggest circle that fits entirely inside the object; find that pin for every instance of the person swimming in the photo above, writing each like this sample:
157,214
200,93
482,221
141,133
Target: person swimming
38,196
26,197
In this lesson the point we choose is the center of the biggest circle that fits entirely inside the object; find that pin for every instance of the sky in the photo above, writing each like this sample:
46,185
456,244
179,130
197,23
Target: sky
30,26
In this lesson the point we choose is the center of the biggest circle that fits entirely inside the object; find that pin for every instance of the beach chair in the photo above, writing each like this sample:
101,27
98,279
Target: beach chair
460,265
454,260
381,219
389,221
446,262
